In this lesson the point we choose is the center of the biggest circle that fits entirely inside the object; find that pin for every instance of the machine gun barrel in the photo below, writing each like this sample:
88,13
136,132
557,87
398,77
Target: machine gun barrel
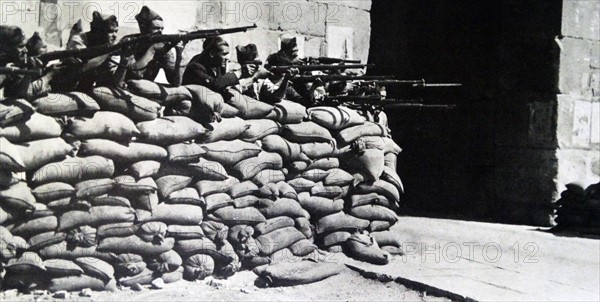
19,71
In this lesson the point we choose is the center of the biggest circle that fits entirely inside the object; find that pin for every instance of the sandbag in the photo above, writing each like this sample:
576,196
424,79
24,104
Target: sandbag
297,166
349,135
377,226
185,153
338,177
316,150
119,229
198,267
374,212
276,240
248,107
129,265
57,268
301,184
362,247
286,191
145,202
248,168
229,111
327,163
207,105
296,273
229,153
207,187
171,183
147,276
340,221
380,187
134,245
170,130
208,170
245,201
130,153
184,232
182,214
185,196
333,192
232,216
288,112
390,146
226,129
273,224
319,206
386,238
93,187
37,127
10,158
35,226
104,124
64,251
18,197
127,185
161,94
78,283
315,175
281,207
8,178
268,176
302,248
84,236
72,103
258,129
14,110
74,169
217,201
289,151
166,262
143,169
38,153
154,231
96,268
357,200
392,177
306,132
42,240
391,161
95,217
269,191
137,108
304,226
52,191
215,231
242,189
335,118
336,238
27,263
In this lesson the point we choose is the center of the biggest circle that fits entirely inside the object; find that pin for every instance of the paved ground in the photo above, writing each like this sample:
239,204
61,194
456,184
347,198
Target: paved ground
485,261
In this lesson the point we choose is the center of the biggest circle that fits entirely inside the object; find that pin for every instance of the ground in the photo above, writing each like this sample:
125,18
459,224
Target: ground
347,286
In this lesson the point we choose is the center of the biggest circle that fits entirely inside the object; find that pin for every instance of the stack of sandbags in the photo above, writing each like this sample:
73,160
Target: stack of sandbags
228,182
579,209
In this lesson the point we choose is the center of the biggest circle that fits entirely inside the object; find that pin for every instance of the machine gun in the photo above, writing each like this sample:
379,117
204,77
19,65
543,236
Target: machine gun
97,51
19,71
332,78
377,101
412,83
323,67
326,60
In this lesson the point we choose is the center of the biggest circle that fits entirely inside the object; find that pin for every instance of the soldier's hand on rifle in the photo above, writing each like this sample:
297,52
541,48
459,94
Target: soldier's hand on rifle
127,51
292,72
180,46
261,73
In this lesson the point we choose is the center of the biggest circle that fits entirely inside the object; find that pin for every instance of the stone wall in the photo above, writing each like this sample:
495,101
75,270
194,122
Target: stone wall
310,20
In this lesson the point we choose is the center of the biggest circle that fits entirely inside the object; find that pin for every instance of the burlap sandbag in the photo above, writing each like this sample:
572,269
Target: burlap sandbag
391,161
302,272
52,191
242,189
127,185
340,221
390,146
374,212
207,105
74,169
286,191
125,154
153,231
78,283
95,217
227,129
104,124
161,94
245,201
304,226
198,267
8,178
207,187
380,187
268,176
217,201
119,229
301,184
43,240
378,226
288,112
357,200
335,118
276,240
143,169
137,108
129,265
135,245
229,153
95,267
37,127
147,276
229,111
185,196
57,268
34,227
171,183
335,238
306,132
364,248
319,206
248,168
349,135
289,151
392,177
327,163
302,248
72,103
170,130
258,129
232,216
316,150
338,177
176,214
281,207
64,251
184,232
17,197
14,110
166,262
35,154
269,191
185,153
273,224
387,238
10,157
94,187
248,107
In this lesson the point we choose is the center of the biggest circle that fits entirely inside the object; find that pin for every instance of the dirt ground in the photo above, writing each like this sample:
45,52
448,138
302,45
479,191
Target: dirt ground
347,286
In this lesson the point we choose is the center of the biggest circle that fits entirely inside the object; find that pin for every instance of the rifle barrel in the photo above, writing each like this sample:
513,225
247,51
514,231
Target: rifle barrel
19,71
319,67
330,78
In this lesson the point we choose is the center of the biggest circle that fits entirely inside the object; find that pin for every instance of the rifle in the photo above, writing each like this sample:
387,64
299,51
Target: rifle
97,51
255,62
284,68
377,101
413,83
331,78
19,71
326,60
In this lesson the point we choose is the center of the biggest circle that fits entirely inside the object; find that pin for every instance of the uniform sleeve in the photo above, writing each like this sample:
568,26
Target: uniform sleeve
196,73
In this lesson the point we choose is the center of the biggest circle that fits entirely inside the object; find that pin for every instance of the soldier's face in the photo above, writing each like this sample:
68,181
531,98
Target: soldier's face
112,34
17,53
156,27
222,56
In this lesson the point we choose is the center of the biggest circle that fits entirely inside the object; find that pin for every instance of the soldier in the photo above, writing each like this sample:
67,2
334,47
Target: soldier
36,45
104,70
252,75
149,59
289,49
13,53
